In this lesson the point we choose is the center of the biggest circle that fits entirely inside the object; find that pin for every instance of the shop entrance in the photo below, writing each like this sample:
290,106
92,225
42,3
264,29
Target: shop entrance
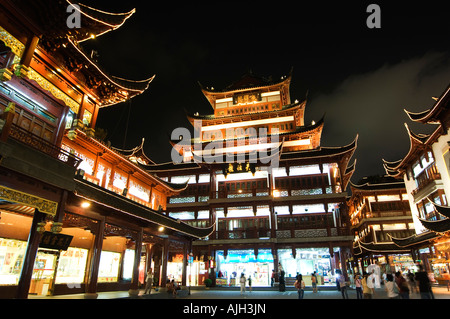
42,280
258,268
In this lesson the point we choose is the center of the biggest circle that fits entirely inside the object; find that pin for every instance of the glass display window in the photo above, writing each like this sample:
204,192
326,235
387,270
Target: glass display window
72,266
12,253
109,266
43,272
128,264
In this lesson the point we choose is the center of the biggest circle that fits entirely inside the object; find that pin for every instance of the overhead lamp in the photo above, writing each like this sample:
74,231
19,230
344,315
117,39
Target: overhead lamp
161,229
85,204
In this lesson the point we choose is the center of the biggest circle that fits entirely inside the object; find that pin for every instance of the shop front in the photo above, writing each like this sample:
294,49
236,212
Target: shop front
402,262
305,262
197,271
175,268
236,262
440,265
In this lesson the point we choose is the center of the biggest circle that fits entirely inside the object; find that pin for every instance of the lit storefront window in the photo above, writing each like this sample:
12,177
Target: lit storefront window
72,266
259,268
109,267
175,268
11,260
307,261
128,264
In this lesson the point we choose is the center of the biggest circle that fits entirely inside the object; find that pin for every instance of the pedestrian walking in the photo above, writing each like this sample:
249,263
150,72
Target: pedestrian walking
424,284
358,286
250,283
411,282
402,285
342,283
371,282
367,292
300,285
242,281
314,282
149,282
391,287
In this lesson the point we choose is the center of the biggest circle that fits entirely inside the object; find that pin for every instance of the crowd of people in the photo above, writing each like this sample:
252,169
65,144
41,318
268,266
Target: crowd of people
396,285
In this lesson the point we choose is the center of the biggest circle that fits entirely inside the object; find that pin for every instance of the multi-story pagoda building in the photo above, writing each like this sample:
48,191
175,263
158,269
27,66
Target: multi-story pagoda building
425,170
379,211
77,216
258,173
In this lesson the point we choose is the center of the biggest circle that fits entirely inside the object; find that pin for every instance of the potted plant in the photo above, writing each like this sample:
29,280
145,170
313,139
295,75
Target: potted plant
208,283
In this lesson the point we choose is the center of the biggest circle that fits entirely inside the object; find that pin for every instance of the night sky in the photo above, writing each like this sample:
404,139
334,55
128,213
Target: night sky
360,78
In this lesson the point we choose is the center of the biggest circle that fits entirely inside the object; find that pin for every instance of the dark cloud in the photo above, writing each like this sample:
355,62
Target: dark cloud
372,106
361,78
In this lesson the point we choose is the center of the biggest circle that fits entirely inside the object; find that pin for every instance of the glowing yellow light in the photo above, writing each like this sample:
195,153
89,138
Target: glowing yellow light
85,204
161,228
276,193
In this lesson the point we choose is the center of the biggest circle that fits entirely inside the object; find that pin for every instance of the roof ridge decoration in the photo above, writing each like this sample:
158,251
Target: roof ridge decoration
413,239
439,226
136,87
368,185
136,154
443,210
430,116
268,79
328,150
417,141
212,116
90,13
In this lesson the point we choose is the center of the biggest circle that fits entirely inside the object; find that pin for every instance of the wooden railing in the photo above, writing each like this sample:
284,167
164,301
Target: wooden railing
429,175
34,141
244,233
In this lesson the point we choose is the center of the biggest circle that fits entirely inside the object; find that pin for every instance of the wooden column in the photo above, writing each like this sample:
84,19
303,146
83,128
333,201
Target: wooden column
34,238
186,250
164,260
273,221
91,284
28,53
134,287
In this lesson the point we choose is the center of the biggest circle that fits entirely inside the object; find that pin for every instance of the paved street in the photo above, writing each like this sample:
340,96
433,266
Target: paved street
234,293
226,293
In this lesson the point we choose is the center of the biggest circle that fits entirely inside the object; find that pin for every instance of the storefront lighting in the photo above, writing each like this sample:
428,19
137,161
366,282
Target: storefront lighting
161,229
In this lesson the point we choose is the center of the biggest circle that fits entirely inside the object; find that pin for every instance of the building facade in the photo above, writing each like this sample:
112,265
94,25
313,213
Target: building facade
258,174
77,215
379,211
425,171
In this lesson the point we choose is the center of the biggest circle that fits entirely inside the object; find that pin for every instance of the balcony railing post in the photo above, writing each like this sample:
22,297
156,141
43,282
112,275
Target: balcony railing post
7,118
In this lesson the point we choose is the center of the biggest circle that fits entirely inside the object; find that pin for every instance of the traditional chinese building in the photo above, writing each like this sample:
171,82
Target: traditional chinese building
77,215
258,174
379,211
425,170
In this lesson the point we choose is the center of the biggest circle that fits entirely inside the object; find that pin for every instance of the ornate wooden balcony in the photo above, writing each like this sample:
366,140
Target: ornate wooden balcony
426,178
31,140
